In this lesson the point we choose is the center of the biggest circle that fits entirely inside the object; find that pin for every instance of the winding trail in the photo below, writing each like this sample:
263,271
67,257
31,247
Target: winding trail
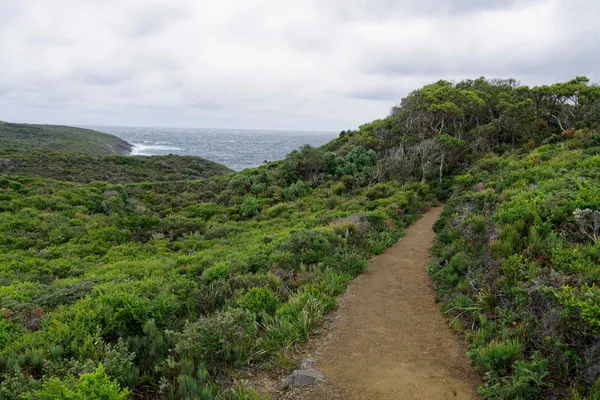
388,339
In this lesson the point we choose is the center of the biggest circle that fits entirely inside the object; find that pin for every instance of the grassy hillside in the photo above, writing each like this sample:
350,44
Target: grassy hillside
518,264
180,289
26,138
85,168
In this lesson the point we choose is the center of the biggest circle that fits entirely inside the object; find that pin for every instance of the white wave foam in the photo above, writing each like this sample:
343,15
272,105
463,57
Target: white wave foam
145,150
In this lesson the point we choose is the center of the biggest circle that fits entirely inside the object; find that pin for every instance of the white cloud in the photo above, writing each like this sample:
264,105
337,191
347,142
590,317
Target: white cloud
308,64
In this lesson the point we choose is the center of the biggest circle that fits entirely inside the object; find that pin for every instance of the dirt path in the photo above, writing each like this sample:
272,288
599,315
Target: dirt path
388,339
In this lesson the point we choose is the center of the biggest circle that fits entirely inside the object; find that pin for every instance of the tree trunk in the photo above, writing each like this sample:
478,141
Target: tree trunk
441,167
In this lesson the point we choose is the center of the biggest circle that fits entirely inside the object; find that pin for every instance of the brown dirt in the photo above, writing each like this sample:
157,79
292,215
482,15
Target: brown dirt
388,339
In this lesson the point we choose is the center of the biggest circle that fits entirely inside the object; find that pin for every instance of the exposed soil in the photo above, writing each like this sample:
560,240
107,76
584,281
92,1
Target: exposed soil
388,339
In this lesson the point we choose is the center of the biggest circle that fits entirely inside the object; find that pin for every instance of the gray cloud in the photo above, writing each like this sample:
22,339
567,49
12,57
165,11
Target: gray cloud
102,77
578,56
206,105
402,10
463,6
263,64
382,93
10,11
153,20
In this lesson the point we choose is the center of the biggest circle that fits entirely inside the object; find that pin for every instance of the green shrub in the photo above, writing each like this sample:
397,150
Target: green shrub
526,382
118,362
296,190
93,386
178,226
497,357
246,393
223,340
594,393
338,188
308,163
240,184
584,303
220,270
8,331
259,300
308,246
379,191
259,188
458,263
204,210
359,162
477,223
250,207
353,264
221,231
278,210
212,296
514,267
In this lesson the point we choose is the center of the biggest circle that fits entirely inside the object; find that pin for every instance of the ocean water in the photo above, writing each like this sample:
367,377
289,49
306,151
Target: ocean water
236,148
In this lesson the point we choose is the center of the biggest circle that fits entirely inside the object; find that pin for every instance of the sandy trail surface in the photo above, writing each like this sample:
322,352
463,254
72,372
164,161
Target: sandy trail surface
388,339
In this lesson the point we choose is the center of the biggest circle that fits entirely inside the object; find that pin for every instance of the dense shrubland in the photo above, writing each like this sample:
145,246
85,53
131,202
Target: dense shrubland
163,289
177,289
517,260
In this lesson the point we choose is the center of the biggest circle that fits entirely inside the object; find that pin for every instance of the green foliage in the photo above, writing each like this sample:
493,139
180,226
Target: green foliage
526,382
517,267
497,357
594,393
584,302
278,210
118,363
240,184
359,163
308,164
246,393
224,339
308,246
221,270
221,231
296,190
259,300
380,191
353,264
94,386
250,207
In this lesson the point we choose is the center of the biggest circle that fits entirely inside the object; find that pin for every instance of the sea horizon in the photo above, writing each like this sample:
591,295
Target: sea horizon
238,149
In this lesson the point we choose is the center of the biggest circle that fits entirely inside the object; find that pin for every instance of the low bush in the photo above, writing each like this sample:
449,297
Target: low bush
296,190
93,386
259,300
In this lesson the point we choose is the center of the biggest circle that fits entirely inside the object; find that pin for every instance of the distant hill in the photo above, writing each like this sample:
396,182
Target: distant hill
85,168
84,155
26,138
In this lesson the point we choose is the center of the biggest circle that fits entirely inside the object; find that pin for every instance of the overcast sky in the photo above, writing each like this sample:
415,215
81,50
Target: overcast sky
303,64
